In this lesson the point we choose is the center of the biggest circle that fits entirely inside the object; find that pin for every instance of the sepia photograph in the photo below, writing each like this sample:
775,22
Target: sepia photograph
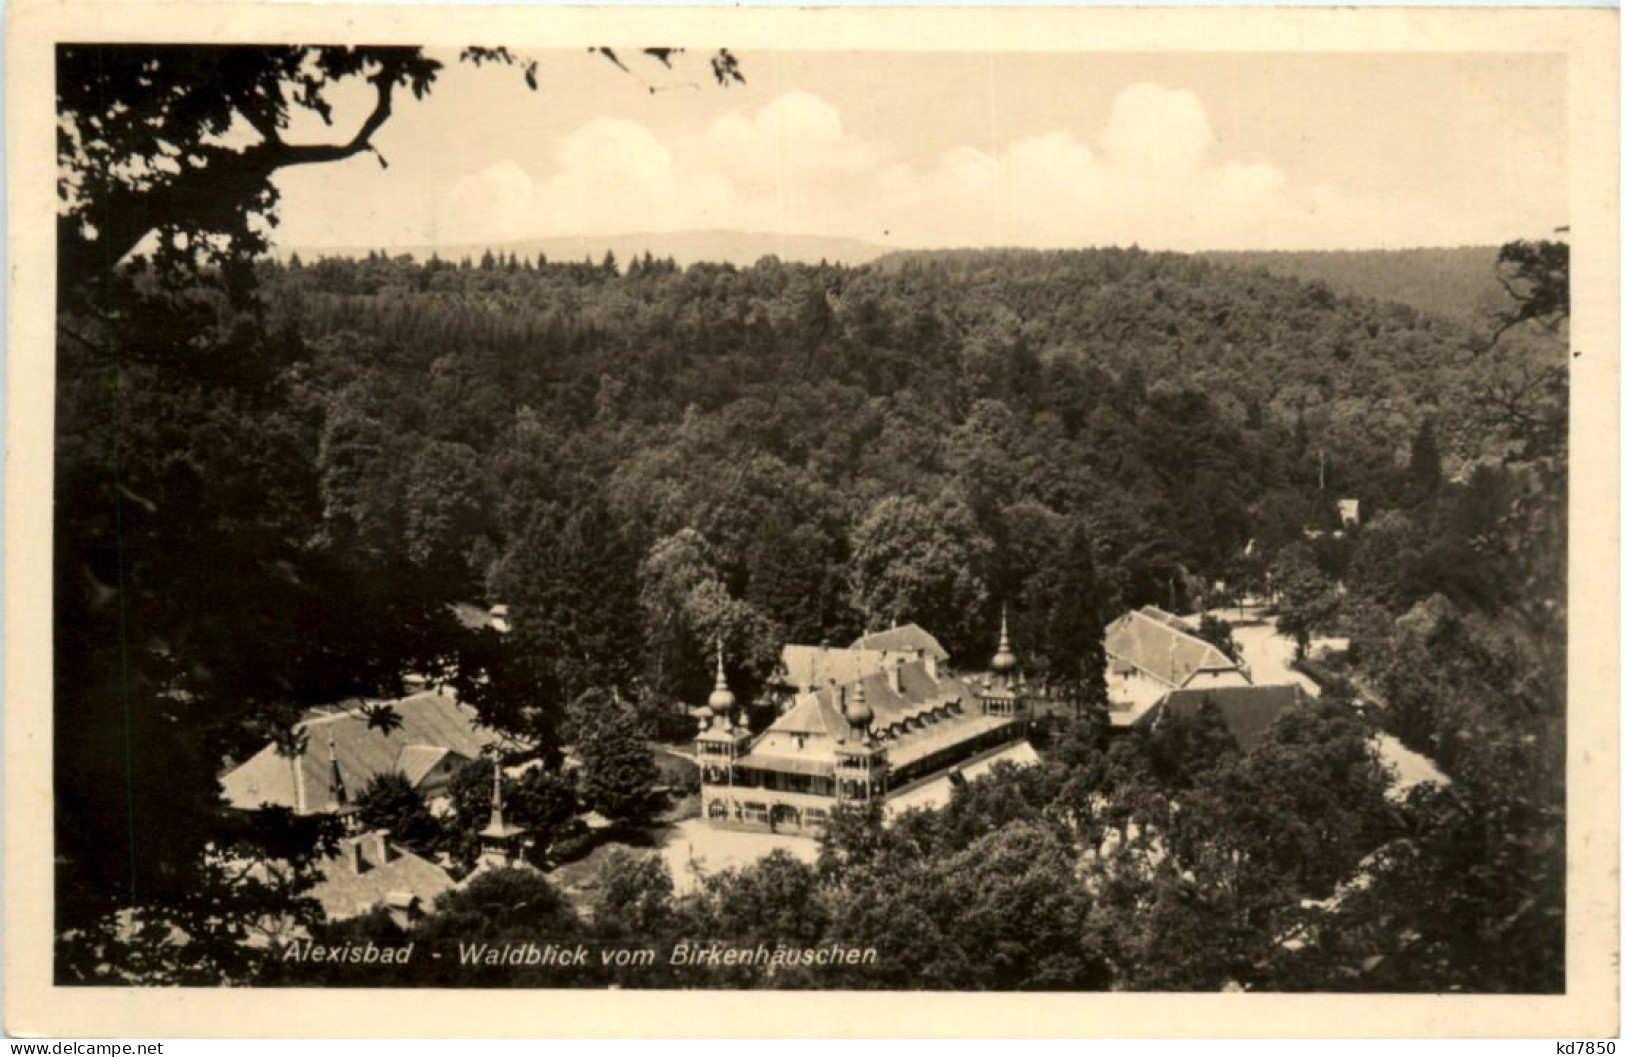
762,513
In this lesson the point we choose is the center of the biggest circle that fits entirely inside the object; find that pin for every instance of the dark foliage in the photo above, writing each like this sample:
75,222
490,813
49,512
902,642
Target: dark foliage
390,802
618,774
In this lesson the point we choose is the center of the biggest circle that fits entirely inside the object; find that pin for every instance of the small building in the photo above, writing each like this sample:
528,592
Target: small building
1247,711
477,618
1348,512
342,753
369,872
1150,652
859,740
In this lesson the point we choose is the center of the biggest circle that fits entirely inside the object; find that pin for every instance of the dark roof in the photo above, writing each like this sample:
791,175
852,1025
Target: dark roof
909,638
429,719
918,744
1248,711
1162,647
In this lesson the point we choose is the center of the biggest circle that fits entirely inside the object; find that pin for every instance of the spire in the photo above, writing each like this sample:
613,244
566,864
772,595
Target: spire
337,795
496,796
1004,661
722,699
500,842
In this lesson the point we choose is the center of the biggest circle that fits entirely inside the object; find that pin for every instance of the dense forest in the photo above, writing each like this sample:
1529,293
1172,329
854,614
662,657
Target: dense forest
1458,283
275,480
638,462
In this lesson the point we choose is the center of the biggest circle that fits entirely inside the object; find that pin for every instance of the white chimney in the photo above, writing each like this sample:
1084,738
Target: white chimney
894,676
380,847
352,856
931,665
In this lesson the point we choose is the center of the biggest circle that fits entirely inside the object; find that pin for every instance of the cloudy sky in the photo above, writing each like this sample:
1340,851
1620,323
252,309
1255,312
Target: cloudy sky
1170,151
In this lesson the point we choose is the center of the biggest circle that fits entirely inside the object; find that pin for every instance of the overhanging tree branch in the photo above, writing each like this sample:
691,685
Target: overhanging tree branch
130,107
278,155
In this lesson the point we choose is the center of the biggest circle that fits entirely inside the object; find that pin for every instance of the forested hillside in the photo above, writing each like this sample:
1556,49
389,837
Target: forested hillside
1172,409
286,480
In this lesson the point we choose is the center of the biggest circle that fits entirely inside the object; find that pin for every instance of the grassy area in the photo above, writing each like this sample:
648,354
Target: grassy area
676,772
578,880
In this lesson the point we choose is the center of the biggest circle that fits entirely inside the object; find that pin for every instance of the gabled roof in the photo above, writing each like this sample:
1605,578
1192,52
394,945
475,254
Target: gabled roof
806,716
810,666
475,618
402,876
909,638
429,719
819,712
1248,711
1164,617
1160,646
416,761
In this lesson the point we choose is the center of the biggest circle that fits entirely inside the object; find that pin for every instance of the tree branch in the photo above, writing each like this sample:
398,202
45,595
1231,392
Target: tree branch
274,154
264,125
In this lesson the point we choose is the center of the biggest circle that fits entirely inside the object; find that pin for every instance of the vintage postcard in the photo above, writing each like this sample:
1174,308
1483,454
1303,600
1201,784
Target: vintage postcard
1060,522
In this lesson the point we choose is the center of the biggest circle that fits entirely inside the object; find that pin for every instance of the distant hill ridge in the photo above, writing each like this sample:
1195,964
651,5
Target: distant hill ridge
1454,282
741,248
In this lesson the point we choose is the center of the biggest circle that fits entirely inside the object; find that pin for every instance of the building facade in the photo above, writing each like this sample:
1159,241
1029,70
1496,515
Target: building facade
886,718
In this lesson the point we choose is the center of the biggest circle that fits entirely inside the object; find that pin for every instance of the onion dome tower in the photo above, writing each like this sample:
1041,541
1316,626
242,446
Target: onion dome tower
718,745
1005,664
722,700
861,763
1001,692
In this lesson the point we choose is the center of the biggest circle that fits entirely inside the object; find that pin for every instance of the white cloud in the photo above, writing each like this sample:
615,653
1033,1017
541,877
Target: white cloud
1153,180
796,137
503,190
1149,175
1156,132
609,176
